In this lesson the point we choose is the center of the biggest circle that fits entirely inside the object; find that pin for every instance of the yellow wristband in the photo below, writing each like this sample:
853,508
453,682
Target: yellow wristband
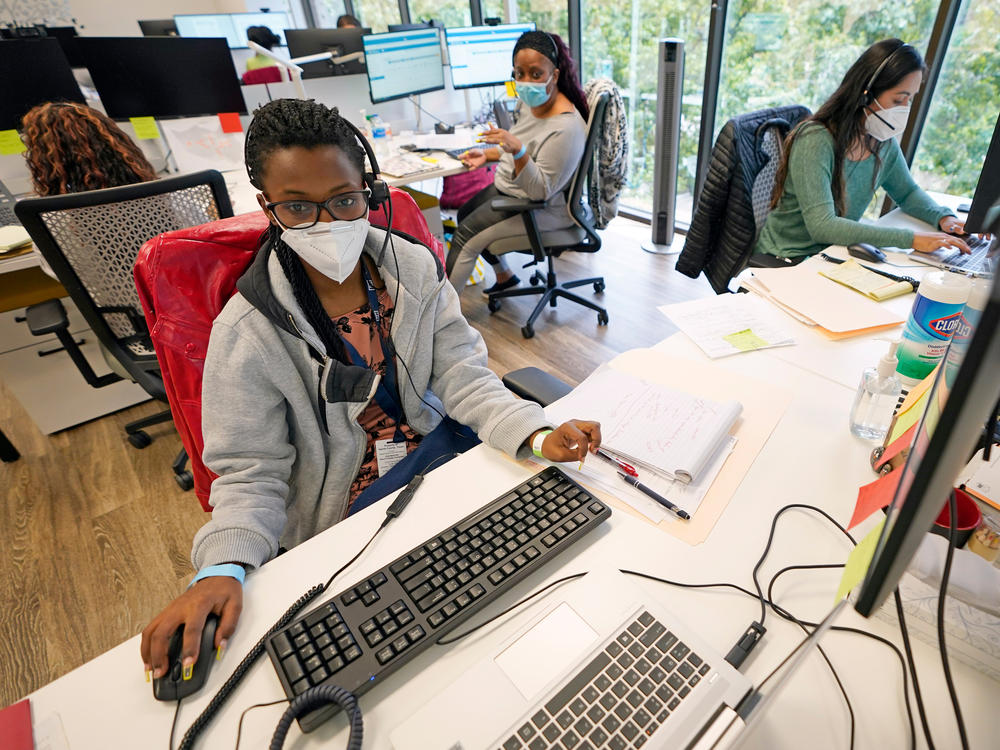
536,444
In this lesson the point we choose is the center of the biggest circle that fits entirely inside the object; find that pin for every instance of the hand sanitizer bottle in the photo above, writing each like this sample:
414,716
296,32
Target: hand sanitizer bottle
877,397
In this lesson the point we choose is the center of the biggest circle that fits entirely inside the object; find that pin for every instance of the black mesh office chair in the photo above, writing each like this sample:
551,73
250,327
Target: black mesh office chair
580,237
91,240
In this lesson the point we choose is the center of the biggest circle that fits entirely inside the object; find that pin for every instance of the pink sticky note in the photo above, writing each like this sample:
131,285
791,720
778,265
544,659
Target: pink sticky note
896,447
15,727
873,496
230,122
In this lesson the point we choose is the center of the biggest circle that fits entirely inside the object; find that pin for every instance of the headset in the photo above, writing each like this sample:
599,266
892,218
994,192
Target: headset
313,698
866,97
378,188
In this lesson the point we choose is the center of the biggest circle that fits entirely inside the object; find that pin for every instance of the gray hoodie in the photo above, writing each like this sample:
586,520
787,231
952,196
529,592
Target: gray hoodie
280,418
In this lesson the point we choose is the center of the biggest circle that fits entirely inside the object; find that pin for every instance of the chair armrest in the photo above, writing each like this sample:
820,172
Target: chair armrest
536,385
516,205
46,317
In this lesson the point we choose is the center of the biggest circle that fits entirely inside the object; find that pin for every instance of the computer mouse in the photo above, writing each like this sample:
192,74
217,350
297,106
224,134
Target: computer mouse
172,686
864,251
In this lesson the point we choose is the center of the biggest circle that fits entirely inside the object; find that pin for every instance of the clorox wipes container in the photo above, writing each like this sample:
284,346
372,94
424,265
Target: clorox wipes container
936,315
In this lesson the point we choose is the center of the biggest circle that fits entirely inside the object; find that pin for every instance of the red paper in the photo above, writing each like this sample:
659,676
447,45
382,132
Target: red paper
15,727
873,496
230,122
896,447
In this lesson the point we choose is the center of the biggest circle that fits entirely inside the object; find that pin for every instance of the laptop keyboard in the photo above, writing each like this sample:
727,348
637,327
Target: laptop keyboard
358,637
620,697
972,261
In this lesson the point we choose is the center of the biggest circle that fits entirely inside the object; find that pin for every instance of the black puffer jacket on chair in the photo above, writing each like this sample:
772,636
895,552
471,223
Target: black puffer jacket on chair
723,230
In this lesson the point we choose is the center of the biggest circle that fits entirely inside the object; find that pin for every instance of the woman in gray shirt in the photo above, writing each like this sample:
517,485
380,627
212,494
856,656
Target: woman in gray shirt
537,157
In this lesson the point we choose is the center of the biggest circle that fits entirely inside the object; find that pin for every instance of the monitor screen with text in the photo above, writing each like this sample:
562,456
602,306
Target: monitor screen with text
403,63
481,55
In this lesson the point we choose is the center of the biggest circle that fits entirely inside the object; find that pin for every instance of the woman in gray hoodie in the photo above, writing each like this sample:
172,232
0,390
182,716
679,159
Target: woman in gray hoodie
343,347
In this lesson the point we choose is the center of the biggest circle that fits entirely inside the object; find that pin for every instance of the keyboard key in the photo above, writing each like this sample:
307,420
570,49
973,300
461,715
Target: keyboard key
570,740
378,579
666,642
565,719
619,689
647,686
694,659
642,666
646,619
674,703
635,628
629,731
703,669
537,744
636,649
352,653
583,727
578,706
598,737
614,671
614,648
551,731
384,655
683,692
608,701
575,685
675,681
610,724
293,670
679,651
653,705
623,710
595,713
641,718
652,635
685,669
415,633
616,743
635,698
282,645
349,598
663,692
400,644
526,732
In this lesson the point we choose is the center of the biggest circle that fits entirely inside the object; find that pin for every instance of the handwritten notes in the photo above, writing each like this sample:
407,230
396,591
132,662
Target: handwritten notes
729,324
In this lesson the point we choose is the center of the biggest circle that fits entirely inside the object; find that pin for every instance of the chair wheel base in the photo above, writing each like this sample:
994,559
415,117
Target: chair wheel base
493,304
527,331
602,318
598,287
139,440
184,480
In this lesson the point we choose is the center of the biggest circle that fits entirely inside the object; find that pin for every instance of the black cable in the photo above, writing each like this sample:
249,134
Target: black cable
952,543
525,600
173,725
925,726
239,727
417,105
346,565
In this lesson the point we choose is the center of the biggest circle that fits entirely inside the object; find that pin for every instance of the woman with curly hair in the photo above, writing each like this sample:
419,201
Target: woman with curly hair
72,148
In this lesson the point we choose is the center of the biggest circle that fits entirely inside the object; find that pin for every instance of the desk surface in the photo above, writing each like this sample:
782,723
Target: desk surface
810,457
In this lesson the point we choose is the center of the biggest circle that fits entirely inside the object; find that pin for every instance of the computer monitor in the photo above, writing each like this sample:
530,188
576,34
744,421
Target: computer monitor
67,36
988,187
232,26
33,71
340,42
162,76
412,26
403,63
481,55
960,402
158,27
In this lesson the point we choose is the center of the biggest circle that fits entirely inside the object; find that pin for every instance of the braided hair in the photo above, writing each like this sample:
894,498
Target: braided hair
73,148
284,123
554,48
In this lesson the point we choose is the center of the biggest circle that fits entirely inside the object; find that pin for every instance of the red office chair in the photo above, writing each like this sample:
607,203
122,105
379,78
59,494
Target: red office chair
270,74
184,278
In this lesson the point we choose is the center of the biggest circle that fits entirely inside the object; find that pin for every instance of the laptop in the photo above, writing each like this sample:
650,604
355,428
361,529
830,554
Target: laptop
601,663
981,262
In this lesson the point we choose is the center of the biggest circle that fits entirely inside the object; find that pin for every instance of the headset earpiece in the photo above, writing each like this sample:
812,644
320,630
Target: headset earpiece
866,96
379,190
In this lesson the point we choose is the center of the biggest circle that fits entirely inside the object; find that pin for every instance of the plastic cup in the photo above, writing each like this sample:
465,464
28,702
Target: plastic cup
968,518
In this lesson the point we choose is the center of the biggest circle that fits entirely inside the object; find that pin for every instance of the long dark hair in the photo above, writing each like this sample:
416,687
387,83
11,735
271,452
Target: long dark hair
880,67
284,123
555,49
72,148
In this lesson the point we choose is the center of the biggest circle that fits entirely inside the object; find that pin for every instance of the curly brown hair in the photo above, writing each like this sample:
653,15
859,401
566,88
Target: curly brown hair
72,148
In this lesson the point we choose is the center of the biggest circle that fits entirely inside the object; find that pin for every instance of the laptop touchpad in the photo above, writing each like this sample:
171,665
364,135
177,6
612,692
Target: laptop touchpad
543,653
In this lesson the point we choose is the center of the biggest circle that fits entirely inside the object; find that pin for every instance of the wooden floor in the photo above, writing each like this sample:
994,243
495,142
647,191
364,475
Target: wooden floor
95,535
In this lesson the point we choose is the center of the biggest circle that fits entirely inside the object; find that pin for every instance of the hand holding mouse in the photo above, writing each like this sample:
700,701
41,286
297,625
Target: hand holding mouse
222,595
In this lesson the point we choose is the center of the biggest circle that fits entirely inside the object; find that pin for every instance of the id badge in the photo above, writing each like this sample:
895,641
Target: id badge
388,454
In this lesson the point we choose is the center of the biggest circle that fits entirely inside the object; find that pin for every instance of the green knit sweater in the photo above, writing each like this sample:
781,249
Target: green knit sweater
804,221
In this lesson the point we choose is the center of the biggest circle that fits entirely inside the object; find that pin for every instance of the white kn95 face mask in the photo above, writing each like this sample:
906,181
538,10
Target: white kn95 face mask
332,248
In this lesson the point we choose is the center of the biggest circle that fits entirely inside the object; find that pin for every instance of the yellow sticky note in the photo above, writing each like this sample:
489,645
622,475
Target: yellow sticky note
145,128
511,90
429,160
906,419
745,341
858,561
11,143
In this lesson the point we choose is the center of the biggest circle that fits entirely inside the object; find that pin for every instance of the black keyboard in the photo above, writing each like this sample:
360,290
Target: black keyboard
620,698
360,636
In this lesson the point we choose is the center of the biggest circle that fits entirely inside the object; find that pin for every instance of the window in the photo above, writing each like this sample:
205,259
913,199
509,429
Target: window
777,52
327,12
548,15
620,42
492,9
963,112
377,14
449,12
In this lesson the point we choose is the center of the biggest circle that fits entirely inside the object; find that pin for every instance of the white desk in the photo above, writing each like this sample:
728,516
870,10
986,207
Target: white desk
810,457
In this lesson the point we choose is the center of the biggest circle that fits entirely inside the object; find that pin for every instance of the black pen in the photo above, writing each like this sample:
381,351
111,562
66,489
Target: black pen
656,496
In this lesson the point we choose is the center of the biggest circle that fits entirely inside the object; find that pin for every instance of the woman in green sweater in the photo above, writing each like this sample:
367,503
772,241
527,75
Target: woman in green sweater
834,161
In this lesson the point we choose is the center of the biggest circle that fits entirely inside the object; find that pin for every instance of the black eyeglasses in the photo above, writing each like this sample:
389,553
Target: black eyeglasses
303,214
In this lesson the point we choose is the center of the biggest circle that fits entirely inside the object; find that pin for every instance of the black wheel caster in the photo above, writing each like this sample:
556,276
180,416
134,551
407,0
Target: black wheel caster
139,439
493,304
527,331
602,318
598,287
534,280
184,480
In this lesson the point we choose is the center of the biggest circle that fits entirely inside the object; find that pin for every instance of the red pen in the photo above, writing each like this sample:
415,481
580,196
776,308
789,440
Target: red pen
617,462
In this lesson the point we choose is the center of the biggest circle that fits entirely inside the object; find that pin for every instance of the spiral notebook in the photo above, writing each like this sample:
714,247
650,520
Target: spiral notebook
650,426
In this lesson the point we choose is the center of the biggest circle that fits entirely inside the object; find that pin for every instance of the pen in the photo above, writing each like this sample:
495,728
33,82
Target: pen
907,279
656,496
622,466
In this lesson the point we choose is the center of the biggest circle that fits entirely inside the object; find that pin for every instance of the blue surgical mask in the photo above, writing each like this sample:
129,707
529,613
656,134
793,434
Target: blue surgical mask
533,94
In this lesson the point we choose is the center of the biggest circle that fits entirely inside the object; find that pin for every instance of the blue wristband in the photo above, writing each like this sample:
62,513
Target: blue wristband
227,569
522,152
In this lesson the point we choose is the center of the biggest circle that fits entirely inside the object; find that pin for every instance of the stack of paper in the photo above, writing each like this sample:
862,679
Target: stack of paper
855,276
729,324
13,237
809,298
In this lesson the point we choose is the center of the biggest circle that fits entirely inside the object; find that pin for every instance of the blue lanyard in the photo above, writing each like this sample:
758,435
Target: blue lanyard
387,393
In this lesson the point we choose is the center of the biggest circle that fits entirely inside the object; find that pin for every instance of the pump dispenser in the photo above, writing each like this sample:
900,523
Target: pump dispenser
877,397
